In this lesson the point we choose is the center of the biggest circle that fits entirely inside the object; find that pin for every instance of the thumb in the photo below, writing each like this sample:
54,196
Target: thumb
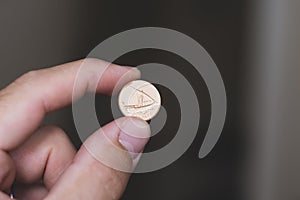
102,166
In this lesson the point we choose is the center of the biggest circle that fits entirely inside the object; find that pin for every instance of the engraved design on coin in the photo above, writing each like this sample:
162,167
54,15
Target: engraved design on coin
139,98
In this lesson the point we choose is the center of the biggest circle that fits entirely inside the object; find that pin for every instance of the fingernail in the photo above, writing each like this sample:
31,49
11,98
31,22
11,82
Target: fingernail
134,69
135,73
134,135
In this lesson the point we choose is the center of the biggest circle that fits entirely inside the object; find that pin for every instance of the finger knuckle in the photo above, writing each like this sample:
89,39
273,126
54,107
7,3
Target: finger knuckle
52,129
55,131
55,137
93,60
7,167
28,76
24,81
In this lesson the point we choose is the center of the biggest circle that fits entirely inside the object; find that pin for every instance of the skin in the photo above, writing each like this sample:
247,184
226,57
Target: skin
41,160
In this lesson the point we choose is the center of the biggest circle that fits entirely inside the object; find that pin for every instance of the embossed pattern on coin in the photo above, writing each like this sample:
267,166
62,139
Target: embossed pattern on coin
139,98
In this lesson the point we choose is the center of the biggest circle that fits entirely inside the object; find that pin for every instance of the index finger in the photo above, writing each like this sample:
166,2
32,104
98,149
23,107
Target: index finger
24,103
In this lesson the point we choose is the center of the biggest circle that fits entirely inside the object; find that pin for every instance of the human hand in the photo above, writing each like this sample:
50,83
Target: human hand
42,160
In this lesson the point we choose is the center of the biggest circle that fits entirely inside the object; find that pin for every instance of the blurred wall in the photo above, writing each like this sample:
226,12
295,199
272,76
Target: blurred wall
38,34
273,97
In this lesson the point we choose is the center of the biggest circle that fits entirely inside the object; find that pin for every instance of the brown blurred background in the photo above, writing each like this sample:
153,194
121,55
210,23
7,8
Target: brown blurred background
240,35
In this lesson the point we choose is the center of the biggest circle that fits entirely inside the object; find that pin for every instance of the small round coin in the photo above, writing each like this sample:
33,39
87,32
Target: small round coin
139,99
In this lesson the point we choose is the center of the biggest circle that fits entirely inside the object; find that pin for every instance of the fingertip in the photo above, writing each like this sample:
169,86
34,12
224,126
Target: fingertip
134,135
118,143
127,74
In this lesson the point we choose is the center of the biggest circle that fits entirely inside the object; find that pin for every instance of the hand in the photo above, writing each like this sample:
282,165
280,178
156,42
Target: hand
41,160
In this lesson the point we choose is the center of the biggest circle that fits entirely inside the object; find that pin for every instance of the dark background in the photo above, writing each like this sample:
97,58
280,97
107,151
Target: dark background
38,34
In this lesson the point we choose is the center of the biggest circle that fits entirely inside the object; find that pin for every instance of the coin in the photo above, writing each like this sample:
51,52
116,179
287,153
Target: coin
139,98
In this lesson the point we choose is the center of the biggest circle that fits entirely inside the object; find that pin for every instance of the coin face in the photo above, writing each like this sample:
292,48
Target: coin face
139,99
